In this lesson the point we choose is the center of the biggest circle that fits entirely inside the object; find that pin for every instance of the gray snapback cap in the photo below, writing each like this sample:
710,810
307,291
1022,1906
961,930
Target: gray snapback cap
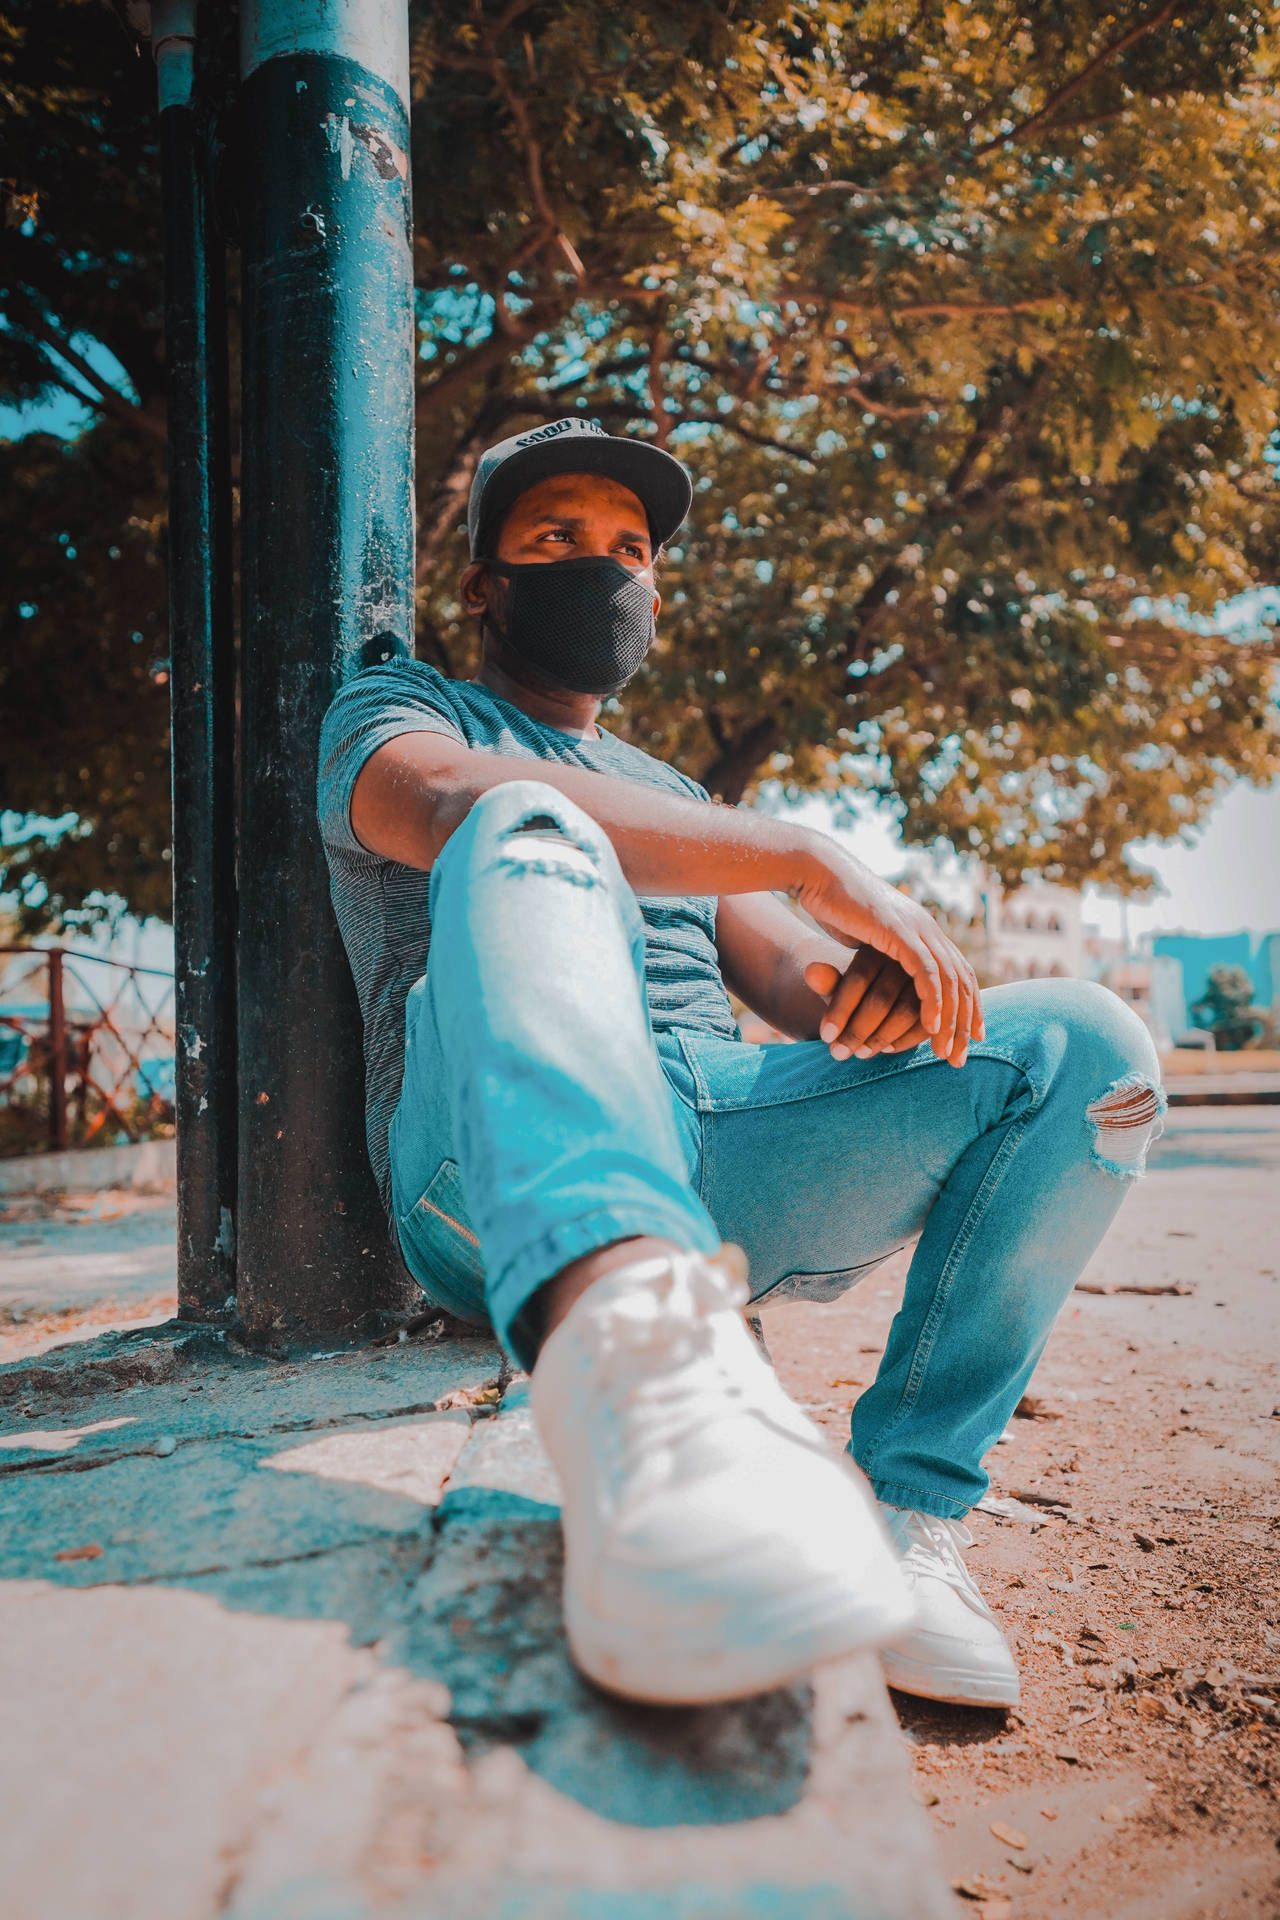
576,445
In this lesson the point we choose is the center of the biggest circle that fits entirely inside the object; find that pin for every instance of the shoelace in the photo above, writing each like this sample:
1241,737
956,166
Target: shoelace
676,1326
932,1545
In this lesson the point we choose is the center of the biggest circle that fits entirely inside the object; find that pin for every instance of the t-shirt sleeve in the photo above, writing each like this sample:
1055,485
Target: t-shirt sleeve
691,787
370,710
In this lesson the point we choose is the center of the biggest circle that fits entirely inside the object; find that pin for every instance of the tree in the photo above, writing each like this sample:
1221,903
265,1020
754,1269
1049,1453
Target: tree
1226,1008
964,315
83,640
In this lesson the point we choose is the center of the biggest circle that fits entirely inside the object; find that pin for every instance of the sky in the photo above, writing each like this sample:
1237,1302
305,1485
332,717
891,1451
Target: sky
1224,877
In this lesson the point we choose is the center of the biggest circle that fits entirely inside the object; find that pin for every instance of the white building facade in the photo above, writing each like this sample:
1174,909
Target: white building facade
1034,933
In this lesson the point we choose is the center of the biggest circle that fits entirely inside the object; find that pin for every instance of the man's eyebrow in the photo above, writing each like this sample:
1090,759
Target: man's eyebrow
550,518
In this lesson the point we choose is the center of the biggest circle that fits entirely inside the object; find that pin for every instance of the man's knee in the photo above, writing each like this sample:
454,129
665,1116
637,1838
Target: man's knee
509,816
1111,1062
526,833
1100,1023
527,806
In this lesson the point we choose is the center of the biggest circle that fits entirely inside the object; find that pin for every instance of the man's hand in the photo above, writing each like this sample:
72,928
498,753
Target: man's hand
877,1009
908,982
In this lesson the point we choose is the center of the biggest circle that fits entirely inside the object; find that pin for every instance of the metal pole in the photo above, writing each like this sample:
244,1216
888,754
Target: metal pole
201,682
57,1055
327,532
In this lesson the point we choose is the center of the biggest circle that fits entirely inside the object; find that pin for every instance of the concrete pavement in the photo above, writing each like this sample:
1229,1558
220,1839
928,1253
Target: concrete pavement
281,1641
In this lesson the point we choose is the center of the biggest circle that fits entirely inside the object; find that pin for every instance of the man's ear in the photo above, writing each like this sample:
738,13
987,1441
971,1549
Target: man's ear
472,584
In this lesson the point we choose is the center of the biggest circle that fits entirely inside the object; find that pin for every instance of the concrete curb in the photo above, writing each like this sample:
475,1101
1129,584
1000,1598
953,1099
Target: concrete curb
148,1167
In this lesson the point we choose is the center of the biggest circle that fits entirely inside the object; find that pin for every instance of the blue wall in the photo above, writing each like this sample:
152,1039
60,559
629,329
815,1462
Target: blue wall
1197,952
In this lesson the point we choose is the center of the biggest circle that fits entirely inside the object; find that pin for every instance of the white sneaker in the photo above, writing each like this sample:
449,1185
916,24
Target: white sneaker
955,1651
715,1545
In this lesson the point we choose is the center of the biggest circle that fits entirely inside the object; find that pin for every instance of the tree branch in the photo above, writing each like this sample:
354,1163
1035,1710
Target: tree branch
1000,419
103,395
1070,88
509,16
730,425
734,768
519,111
480,360
880,409
448,504
918,309
819,188
658,348
446,387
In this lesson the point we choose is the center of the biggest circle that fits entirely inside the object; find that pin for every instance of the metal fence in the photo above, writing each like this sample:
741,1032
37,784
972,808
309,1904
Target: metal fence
87,1048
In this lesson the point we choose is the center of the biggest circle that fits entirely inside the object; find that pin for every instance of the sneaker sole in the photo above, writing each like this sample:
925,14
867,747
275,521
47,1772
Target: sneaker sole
641,1669
959,1686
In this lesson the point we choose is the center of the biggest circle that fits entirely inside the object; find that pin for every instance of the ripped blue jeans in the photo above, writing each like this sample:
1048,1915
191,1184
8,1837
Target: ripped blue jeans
541,1118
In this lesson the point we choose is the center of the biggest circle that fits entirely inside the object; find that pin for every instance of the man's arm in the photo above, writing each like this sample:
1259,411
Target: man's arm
764,949
415,791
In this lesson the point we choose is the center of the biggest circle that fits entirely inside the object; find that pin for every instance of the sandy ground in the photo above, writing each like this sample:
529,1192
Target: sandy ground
1140,1779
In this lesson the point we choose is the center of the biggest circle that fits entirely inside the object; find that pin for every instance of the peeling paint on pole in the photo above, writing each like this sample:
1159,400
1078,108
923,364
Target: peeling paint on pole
372,34
327,538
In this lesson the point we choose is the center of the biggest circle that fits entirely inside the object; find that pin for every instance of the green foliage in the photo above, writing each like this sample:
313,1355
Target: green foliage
1226,1008
963,315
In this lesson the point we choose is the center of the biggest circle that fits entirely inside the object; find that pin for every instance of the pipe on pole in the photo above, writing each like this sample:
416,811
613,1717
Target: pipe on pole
327,533
201,681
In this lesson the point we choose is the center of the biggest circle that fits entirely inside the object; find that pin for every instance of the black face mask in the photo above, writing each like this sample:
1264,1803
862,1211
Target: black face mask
585,624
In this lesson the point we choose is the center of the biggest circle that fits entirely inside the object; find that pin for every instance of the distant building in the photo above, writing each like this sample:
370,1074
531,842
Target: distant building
1033,933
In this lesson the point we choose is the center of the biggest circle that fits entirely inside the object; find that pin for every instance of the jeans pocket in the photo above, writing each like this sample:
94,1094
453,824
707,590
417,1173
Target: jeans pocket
820,1286
441,1249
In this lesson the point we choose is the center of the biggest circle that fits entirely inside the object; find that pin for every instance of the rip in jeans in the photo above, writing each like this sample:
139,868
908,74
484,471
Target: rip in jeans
1125,1120
569,861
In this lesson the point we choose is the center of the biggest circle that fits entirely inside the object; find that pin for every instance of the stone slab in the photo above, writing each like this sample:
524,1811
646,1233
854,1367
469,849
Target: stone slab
205,1509
136,1726
504,1458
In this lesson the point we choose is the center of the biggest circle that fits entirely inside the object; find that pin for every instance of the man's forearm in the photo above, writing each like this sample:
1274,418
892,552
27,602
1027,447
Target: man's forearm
411,797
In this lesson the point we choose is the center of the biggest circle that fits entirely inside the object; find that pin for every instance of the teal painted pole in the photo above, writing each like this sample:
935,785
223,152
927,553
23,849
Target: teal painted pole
327,533
201,679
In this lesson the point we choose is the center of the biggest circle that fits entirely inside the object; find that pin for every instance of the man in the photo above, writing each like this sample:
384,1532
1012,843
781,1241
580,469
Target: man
574,1142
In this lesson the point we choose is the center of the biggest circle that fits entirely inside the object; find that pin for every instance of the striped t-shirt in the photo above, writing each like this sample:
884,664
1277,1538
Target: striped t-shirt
381,906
